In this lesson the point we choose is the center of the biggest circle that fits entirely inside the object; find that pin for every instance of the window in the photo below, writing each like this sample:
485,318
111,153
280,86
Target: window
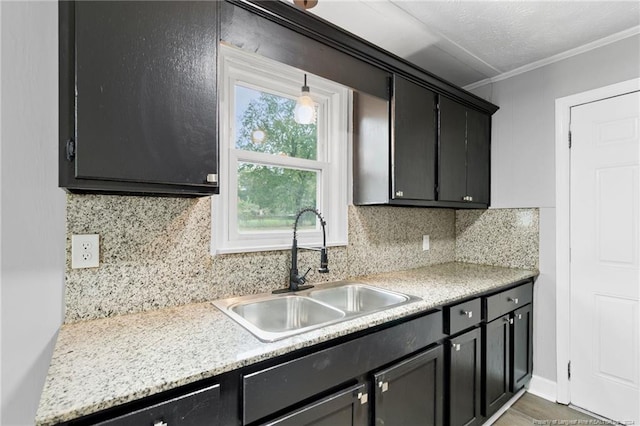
271,166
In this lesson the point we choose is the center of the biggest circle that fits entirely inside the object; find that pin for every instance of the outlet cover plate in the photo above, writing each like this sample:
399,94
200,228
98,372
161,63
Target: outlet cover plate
425,242
85,251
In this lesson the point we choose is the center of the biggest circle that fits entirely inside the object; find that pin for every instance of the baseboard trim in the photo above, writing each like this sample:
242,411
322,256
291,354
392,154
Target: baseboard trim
544,388
491,420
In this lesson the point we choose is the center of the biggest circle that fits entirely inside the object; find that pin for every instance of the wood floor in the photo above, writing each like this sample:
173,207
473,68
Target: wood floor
531,409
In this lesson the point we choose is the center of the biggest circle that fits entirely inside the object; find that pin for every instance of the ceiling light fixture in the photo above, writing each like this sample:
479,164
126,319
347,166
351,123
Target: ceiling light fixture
305,4
305,111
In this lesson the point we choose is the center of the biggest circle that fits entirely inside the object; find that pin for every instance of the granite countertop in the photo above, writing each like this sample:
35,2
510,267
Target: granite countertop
103,363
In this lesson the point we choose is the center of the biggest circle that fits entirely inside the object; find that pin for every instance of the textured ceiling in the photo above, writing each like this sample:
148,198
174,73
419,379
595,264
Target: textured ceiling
468,41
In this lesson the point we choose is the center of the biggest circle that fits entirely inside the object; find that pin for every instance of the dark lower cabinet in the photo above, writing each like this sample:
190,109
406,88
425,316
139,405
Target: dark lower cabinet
194,409
522,337
347,408
411,392
464,365
497,366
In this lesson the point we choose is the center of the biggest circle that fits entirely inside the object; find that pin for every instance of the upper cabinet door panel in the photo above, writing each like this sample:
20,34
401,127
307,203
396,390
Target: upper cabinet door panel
414,141
478,155
146,91
453,162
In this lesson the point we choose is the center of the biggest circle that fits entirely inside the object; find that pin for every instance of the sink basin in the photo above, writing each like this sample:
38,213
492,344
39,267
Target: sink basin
272,317
286,313
357,297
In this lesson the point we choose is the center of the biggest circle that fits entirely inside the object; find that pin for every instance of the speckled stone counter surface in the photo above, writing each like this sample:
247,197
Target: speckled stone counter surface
106,362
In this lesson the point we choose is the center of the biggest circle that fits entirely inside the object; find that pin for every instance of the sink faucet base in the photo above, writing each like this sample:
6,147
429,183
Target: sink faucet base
289,290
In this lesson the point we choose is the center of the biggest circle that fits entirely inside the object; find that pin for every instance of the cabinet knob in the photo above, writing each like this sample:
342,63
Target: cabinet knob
212,178
456,346
509,320
384,386
470,198
159,423
468,314
399,193
514,300
363,397
519,316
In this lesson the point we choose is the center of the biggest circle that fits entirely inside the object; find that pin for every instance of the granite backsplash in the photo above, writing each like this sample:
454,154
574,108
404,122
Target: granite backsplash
155,252
498,237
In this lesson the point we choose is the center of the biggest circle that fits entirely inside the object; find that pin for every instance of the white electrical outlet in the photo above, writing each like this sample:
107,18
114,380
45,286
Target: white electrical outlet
85,251
425,242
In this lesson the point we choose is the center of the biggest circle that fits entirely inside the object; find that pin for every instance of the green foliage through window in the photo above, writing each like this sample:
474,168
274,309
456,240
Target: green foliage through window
270,196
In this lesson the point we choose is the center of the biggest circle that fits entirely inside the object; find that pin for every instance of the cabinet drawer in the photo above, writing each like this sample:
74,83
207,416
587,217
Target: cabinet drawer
283,385
508,300
194,409
462,316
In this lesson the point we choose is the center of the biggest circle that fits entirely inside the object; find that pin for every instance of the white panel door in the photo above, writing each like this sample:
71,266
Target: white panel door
605,257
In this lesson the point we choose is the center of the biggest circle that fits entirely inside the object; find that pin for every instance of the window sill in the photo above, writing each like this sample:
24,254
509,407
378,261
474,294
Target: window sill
275,247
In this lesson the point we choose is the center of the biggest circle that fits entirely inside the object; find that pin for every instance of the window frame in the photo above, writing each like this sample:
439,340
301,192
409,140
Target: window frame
334,138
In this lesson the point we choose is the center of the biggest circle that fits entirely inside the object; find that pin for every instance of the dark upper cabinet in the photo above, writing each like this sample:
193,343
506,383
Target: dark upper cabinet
437,155
411,392
138,96
464,154
413,141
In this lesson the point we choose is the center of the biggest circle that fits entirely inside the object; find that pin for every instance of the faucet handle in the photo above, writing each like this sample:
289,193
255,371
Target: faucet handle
303,279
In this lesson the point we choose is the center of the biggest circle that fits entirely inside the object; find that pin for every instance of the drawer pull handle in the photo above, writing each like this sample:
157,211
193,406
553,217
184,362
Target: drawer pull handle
509,320
363,397
468,314
456,346
514,300
384,386
159,423
519,316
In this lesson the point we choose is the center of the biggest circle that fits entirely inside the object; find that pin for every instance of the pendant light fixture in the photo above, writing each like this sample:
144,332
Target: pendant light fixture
305,111
305,4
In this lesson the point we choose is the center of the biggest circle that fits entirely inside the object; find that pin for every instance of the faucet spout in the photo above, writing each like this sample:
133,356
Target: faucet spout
297,281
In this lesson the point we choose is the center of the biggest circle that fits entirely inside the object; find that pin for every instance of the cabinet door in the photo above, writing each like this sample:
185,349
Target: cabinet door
411,392
452,182
348,407
414,141
145,82
522,365
194,409
478,156
496,364
463,374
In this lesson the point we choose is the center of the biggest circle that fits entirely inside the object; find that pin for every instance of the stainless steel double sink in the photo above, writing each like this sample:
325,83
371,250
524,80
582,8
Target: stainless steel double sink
272,317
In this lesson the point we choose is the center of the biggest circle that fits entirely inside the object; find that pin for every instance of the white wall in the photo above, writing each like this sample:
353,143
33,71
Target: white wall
523,157
33,208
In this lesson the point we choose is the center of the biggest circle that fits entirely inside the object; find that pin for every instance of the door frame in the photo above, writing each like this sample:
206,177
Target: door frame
563,223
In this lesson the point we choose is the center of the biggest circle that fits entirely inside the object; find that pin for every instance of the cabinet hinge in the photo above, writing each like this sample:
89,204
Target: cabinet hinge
569,370
70,150
569,139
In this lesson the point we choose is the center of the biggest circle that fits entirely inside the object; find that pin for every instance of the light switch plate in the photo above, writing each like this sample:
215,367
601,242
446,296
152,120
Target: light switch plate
425,242
85,251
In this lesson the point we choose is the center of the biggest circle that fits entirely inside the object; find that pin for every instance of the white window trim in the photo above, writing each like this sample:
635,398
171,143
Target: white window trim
333,158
